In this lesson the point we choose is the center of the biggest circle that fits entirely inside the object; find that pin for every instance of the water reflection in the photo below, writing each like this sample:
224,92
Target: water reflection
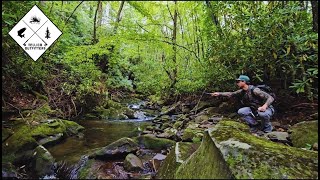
97,133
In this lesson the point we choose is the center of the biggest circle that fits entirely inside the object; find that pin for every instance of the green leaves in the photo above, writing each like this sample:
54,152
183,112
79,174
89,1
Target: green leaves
220,41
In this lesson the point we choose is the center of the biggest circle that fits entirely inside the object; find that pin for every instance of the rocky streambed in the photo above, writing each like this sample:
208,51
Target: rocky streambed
146,141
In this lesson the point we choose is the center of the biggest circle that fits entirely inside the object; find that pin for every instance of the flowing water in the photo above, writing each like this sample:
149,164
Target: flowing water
97,134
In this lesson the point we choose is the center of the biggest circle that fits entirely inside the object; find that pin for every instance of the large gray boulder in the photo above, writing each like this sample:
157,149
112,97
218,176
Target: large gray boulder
117,149
132,163
228,151
176,156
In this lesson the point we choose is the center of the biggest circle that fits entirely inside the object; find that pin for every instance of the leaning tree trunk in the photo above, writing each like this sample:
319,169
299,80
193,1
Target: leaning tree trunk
315,14
118,17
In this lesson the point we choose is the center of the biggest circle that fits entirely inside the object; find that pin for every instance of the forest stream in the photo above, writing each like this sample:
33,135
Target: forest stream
98,133
160,89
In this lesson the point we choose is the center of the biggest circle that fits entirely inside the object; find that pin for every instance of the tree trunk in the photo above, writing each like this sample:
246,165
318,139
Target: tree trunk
95,40
315,14
174,46
118,17
100,10
214,18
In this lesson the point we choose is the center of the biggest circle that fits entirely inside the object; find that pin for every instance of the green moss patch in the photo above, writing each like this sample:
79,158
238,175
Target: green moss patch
25,137
175,158
152,142
245,153
192,133
205,163
304,133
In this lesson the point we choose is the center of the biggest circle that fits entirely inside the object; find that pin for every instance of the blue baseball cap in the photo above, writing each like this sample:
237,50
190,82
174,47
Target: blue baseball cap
244,78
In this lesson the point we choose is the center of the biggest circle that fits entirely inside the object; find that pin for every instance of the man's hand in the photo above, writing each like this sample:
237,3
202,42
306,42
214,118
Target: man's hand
263,108
215,94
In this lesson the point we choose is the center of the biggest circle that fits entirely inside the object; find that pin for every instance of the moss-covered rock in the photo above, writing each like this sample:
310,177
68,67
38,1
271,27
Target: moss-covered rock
42,162
177,124
132,163
165,118
113,110
111,113
192,133
201,118
304,133
173,109
206,163
117,149
151,142
165,125
175,158
129,113
183,117
27,137
229,151
85,171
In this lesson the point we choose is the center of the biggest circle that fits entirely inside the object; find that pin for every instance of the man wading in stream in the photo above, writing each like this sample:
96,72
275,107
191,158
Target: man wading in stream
257,104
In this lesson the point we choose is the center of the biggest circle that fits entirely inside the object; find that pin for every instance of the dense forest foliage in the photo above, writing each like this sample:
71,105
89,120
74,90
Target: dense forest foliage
159,49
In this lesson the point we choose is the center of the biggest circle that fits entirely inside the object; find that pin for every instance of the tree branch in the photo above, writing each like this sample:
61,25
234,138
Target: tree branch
71,14
118,17
169,11
171,43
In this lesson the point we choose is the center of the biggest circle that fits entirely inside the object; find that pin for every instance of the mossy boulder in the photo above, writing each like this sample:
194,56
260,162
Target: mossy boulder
206,163
165,125
42,162
117,149
165,118
228,150
304,133
113,110
192,133
151,142
85,171
183,117
177,124
176,156
112,113
129,113
132,163
201,118
26,137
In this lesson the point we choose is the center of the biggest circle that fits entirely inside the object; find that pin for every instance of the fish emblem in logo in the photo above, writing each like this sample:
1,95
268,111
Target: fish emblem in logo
21,31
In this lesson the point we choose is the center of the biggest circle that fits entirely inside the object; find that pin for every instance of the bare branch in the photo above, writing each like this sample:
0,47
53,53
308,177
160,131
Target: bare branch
169,10
71,14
